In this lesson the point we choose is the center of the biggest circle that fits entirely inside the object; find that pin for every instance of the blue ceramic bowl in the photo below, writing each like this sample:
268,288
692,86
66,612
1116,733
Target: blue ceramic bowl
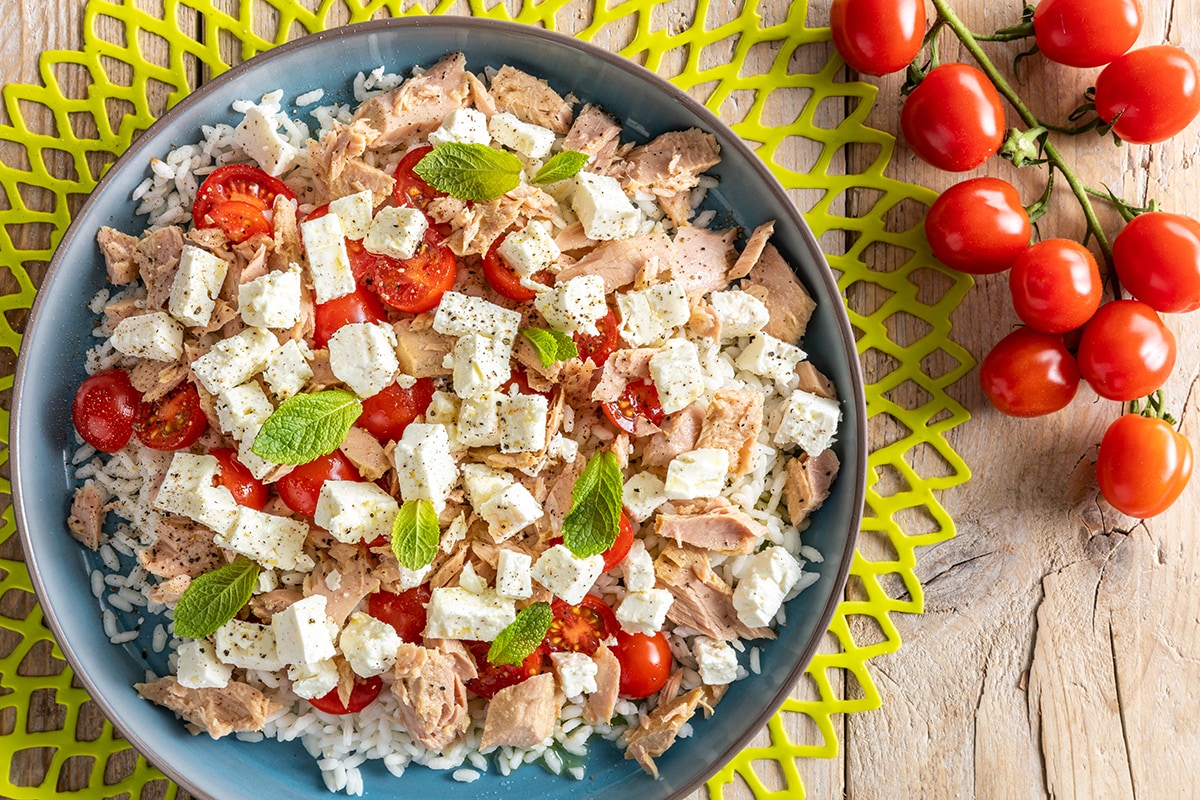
50,368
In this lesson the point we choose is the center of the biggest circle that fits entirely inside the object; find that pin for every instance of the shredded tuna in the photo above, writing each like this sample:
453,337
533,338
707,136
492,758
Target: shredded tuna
672,162
712,525
479,225
701,599
118,249
86,522
618,262
182,548
365,453
670,689
257,267
431,697
809,479
157,258
622,368
680,433
480,97
787,301
355,581
595,133
658,729
457,652
421,353
154,379
572,237
268,604
530,99
522,715
813,382
576,382
732,423
703,257
419,105
286,233
752,251
122,309
338,168
236,708
704,320
169,591
602,702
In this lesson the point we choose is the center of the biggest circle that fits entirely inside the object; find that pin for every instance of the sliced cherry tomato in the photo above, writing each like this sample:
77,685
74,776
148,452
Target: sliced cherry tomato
411,189
363,693
953,120
580,628
416,284
1157,257
638,400
172,422
505,280
978,226
620,547
600,346
246,489
1086,33
645,663
104,409
1126,352
1150,94
877,36
1143,465
239,220
250,188
301,487
494,677
358,306
1055,285
385,415
1029,373
405,611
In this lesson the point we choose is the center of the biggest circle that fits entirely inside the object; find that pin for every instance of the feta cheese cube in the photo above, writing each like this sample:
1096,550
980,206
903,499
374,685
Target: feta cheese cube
396,231
369,645
479,420
271,300
235,360
522,421
576,673
259,467
258,135
196,286
602,207
187,489
697,473
675,371
328,261
644,612
482,483
274,542
639,323
481,365
567,576
412,578
643,493
287,370
444,408
460,314
771,358
810,421
247,645
155,336
425,469
574,306
509,511
362,355
469,579
242,410
463,125
526,138
529,250
560,447
760,592
740,313
354,511
199,667
670,303
311,681
268,581
638,568
354,213
303,631
717,661
513,578
455,613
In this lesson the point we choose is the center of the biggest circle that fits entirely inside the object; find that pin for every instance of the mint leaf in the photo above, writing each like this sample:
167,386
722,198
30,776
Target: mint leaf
307,426
415,534
470,171
561,166
521,636
214,598
551,345
591,525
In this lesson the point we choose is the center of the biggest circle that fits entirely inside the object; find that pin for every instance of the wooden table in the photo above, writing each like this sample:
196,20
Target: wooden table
1059,650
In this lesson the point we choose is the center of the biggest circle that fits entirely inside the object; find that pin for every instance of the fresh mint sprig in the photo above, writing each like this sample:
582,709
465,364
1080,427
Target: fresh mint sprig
415,534
470,171
307,426
591,525
550,345
561,166
214,598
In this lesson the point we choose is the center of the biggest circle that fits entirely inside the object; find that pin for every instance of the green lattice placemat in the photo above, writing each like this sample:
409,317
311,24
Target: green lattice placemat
906,397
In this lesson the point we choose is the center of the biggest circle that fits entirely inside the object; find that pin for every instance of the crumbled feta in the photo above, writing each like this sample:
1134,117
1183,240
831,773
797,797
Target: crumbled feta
444,408
328,261
479,420
697,473
566,575
470,580
560,447
771,358
576,673
574,306
460,314
510,511
740,313
810,421
462,125
287,370
481,365
643,493
396,231
242,410
644,612
760,592
311,681
271,300
529,250
369,645
268,581
156,336
304,633
354,213
513,578
651,315
196,285
602,207
482,482
675,371
187,489
247,645
362,355
717,661
235,360
199,667
522,420
638,568
425,469
526,138
455,613
412,578
354,511
258,135
274,542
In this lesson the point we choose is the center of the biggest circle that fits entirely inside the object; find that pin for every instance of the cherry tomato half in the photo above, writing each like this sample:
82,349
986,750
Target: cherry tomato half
172,422
1157,258
363,693
1155,92
253,190
238,220
358,306
1086,33
410,188
246,489
1028,374
385,415
645,663
104,409
415,284
580,628
1143,465
876,37
405,612
978,226
953,119
494,677
600,346
638,400
301,487
620,547
1055,285
1126,352
505,280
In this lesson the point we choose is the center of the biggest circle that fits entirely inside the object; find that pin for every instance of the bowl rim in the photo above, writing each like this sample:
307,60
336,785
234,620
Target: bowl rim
506,28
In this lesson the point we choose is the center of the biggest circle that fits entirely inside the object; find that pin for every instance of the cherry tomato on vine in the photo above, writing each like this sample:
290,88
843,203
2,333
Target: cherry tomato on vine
363,693
234,197
104,409
581,627
246,489
978,226
494,677
405,612
877,36
1150,94
301,487
953,119
172,422
1029,374
1126,352
1055,285
415,284
645,663
386,414
1086,33
1143,466
1157,258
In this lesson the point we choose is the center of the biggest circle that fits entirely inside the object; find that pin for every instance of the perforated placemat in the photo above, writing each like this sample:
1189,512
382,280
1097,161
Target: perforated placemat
869,224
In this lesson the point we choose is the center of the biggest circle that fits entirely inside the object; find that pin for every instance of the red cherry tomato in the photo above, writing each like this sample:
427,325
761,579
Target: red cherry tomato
363,693
411,189
639,400
505,280
104,409
494,677
238,220
1055,285
358,306
580,628
246,489
1143,466
172,422
416,284
1157,258
953,119
978,226
405,612
519,379
616,553
1028,374
1086,33
1155,92
252,190
876,37
385,415
600,346
301,487
645,663
1126,352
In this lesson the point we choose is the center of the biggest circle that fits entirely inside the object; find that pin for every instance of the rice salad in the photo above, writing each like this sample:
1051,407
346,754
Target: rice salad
442,427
